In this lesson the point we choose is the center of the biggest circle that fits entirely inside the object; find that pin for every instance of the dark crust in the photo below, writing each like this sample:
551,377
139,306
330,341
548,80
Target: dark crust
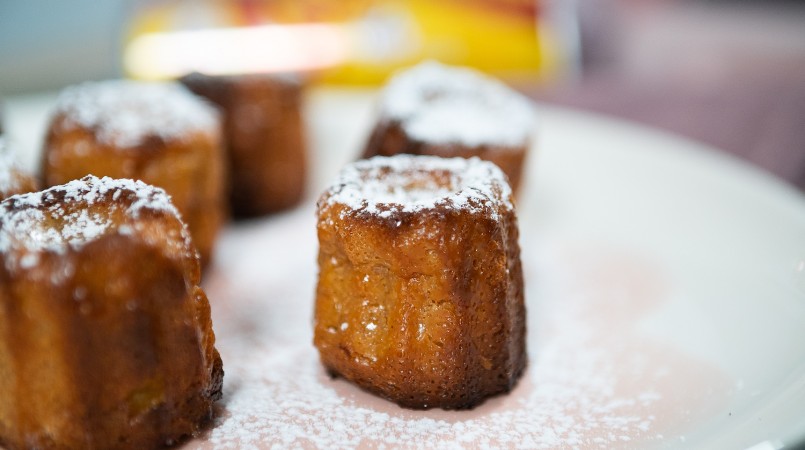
419,405
215,391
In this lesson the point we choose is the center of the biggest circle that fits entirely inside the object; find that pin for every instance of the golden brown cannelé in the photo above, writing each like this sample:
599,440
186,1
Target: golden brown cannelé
434,109
156,132
106,339
420,290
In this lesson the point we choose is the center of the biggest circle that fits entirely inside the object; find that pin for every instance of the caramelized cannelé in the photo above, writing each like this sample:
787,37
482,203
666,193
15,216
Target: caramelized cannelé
106,339
420,290
434,109
156,132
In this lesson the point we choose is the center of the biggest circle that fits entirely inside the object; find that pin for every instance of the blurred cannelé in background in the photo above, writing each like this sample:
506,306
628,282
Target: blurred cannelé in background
439,110
264,138
156,132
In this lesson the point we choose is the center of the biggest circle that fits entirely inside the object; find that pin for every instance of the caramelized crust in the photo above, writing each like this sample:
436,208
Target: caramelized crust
176,148
106,339
264,138
421,301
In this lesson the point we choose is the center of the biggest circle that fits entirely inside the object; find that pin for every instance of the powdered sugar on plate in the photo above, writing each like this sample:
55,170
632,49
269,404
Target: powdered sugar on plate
63,216
385,186
593,380
123,113
442,104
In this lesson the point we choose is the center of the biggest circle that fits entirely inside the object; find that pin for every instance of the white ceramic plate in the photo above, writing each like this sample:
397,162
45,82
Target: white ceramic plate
665,290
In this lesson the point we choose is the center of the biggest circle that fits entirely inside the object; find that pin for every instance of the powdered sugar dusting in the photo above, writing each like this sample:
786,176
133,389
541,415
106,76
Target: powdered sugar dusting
62,217
384,186
124,113
443,104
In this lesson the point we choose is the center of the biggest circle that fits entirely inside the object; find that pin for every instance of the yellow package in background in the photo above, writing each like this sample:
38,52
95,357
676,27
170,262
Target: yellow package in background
501,37
363,41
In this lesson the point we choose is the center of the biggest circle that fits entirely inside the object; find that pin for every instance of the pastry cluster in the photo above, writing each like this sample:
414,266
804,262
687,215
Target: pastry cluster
106,336
159,133
238,148
420,290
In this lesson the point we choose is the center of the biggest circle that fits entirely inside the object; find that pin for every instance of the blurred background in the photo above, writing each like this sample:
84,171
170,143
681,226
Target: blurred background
727,73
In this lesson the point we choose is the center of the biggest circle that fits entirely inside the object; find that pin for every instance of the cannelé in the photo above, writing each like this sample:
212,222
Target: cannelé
420,289
106,338
264,138
156,132
440,110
